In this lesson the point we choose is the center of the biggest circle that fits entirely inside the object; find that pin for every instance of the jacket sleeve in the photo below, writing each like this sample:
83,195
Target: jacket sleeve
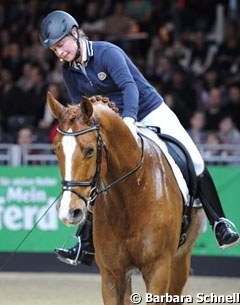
115,63
74,94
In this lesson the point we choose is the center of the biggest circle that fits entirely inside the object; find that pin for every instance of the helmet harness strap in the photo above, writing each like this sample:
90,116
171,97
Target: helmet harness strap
78,53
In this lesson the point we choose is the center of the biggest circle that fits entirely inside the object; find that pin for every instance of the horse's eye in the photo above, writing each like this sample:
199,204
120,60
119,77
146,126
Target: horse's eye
88,152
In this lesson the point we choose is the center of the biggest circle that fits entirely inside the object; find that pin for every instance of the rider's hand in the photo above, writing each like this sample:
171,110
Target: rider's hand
130,122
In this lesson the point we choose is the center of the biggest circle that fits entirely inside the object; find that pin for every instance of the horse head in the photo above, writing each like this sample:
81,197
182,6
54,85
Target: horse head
80,146
76,148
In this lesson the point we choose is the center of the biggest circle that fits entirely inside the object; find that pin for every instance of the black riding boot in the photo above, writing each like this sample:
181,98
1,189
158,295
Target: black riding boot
83,251
225,231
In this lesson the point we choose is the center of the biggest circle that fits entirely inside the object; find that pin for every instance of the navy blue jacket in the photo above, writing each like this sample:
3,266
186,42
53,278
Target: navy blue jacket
110,72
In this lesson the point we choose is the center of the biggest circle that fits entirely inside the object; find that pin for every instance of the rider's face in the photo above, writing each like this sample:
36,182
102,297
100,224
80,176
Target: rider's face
66,48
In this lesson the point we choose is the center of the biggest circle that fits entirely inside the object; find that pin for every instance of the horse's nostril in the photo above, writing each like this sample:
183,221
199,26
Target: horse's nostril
76,213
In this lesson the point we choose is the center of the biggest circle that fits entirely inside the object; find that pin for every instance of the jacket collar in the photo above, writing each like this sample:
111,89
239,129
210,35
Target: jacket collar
87,52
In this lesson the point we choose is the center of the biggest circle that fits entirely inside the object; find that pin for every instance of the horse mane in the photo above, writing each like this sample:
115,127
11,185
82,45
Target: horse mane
73,111
104,100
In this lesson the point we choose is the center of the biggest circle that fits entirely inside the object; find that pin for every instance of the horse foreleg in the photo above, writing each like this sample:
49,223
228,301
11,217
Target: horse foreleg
157,276
179,273
115,290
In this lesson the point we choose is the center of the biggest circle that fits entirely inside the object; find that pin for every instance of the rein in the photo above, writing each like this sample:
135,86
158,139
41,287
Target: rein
95,183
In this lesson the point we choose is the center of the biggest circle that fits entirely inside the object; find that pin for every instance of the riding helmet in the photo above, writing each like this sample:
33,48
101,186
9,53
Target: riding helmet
55,26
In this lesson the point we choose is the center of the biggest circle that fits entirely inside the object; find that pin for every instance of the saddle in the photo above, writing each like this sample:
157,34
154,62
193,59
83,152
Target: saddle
182,158
184,161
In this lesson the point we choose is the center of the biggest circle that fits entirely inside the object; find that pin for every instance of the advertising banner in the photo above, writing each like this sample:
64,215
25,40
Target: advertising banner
227,181
25,195
27,192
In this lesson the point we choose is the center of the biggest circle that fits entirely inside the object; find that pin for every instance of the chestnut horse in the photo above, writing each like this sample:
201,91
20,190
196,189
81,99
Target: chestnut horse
137,222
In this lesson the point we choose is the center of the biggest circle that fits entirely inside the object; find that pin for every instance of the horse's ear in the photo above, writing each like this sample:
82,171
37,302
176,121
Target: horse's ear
86,108
55,107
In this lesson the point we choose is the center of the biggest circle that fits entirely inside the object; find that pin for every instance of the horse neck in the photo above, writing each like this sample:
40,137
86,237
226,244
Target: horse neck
124,155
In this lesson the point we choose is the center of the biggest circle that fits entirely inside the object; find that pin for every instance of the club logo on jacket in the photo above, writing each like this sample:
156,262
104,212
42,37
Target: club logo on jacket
102,75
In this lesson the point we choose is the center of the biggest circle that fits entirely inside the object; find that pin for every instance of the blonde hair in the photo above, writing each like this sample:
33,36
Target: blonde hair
82,35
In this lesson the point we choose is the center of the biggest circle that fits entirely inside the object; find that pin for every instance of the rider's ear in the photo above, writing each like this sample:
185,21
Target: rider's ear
55,107
74,32
86,108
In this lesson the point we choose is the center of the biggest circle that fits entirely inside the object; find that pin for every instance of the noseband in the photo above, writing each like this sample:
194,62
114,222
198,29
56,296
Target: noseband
95,182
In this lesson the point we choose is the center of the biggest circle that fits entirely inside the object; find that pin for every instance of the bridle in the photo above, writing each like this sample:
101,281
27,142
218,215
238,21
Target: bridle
96,180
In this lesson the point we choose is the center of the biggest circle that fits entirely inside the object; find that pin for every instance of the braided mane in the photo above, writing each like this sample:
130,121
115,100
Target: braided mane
104,100
73,111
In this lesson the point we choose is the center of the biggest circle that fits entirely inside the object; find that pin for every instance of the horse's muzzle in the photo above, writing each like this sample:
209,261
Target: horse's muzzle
73,217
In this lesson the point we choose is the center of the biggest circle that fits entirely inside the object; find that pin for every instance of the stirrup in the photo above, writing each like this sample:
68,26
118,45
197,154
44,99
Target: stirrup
73,262
229,224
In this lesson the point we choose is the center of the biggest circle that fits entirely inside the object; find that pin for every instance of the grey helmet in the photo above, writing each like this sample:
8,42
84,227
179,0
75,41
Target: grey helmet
55,26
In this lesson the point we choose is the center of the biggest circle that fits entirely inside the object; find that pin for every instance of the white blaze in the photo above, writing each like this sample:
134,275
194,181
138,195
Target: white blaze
69,145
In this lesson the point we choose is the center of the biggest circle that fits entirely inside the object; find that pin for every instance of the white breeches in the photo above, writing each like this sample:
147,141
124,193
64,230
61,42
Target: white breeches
166,119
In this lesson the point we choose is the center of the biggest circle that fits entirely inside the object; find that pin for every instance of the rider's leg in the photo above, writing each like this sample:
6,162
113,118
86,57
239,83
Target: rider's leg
83,251
224,230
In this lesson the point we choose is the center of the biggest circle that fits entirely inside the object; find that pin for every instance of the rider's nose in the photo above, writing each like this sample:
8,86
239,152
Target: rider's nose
59,52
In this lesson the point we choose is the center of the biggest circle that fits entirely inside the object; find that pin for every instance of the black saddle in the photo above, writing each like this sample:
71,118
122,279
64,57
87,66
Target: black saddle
182,158
184,161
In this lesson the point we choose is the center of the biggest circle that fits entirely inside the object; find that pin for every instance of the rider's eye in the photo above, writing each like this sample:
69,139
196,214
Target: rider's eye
88,152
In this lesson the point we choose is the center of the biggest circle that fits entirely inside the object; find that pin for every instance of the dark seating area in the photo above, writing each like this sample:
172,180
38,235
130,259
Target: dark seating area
189,50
